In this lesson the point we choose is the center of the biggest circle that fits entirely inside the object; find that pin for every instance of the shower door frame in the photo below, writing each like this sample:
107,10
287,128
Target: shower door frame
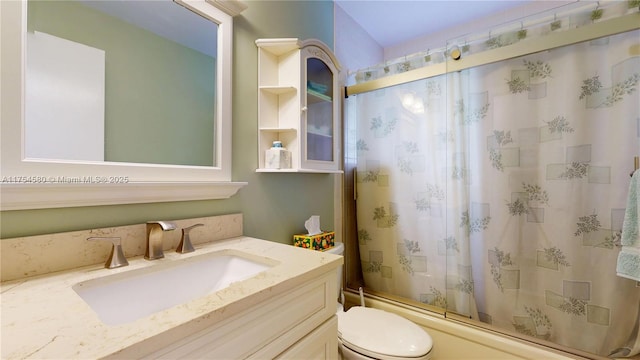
353,278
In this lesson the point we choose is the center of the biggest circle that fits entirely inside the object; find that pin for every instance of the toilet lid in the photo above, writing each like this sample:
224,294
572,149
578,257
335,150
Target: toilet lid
375,332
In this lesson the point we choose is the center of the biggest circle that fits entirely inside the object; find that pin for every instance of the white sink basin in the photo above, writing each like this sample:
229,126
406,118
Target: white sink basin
131,295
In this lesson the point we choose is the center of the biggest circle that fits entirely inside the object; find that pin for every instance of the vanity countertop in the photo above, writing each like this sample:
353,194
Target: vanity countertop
44,318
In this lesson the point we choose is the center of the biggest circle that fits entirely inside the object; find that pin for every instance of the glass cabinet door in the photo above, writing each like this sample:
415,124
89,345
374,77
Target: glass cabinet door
320,130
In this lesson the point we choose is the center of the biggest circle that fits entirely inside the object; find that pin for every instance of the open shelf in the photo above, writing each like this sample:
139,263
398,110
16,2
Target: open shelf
277,90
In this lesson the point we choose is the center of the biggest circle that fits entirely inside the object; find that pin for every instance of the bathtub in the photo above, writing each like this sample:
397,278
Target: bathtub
455,340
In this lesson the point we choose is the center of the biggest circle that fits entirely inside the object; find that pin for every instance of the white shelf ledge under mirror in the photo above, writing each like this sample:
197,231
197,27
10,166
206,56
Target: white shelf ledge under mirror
299,171
39,196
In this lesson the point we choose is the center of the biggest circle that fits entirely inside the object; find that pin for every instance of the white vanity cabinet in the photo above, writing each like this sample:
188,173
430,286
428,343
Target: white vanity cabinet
288,310
299,104
298,323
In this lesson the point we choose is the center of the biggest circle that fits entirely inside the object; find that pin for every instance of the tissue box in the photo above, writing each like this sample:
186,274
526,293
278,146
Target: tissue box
321,241
277,158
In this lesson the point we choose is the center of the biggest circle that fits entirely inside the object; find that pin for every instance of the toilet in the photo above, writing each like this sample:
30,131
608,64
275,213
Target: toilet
368,333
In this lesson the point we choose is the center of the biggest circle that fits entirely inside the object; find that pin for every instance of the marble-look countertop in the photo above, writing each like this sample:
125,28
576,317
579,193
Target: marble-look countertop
43,317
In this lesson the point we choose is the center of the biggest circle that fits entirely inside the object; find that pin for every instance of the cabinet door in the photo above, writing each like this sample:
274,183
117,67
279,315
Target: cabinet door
320,104
320,344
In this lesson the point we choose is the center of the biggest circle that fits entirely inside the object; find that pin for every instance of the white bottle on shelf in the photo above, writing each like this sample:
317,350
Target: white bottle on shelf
277,157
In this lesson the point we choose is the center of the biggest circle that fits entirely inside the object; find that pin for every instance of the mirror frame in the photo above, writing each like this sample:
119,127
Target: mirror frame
41,183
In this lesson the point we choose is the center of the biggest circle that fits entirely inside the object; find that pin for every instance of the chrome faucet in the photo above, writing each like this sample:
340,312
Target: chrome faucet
155,232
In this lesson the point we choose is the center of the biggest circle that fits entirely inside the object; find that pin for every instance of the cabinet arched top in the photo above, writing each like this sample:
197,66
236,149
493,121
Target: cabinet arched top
284,45
325,54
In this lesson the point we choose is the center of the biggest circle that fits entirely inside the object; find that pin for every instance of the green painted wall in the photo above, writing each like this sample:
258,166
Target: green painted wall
159,94
275,206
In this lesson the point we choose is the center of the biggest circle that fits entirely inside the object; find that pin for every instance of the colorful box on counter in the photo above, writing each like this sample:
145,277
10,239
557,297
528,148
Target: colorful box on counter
322,241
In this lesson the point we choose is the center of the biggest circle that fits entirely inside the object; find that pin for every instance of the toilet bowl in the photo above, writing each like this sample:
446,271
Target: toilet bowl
368,333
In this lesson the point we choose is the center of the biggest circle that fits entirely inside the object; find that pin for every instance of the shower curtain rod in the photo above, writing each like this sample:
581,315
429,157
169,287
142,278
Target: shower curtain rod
554,40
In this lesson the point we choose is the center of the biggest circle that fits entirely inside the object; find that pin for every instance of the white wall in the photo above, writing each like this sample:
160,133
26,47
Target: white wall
439,39
65,86
356,50
354,47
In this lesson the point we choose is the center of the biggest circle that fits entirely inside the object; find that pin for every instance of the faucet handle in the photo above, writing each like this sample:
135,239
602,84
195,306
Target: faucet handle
116,258
185,245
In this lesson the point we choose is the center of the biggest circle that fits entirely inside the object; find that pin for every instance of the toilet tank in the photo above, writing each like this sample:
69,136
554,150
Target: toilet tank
338,249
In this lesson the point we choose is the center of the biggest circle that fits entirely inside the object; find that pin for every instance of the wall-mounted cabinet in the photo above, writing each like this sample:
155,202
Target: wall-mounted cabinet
299,104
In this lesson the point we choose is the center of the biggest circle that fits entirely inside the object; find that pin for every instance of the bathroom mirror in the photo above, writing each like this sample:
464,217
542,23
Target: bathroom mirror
120,81
135,158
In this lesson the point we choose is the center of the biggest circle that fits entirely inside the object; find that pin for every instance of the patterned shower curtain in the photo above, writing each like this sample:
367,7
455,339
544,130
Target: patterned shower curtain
499,192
